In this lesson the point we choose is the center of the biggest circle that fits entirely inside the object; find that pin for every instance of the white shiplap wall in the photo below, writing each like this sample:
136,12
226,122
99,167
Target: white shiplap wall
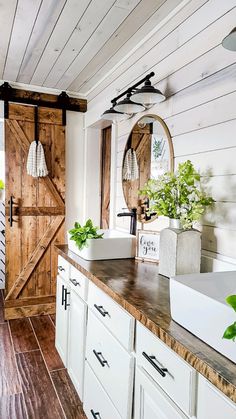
199,78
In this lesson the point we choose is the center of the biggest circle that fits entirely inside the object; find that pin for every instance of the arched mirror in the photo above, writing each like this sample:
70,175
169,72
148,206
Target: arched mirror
148,154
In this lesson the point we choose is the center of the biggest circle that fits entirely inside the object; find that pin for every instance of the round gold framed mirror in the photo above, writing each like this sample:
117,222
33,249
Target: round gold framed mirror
147,155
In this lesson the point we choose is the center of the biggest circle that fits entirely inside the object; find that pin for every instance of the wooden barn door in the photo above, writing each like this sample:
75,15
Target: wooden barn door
105,177
38,212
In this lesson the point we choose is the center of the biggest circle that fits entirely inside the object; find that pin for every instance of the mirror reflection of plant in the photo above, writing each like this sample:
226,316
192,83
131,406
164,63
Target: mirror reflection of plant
157,148
2,184
230,332
178,195
81,234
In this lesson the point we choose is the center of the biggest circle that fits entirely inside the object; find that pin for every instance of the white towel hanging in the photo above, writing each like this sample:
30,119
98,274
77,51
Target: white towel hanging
130,166
36,164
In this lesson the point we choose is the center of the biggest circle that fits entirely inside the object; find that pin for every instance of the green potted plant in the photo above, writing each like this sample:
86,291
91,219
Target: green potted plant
180,197
2,187
82,234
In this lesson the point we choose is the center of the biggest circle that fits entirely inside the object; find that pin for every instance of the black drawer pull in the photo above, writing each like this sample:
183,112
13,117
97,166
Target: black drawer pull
101,310
61,269
66,303
98,355
75,282
151,358
95,415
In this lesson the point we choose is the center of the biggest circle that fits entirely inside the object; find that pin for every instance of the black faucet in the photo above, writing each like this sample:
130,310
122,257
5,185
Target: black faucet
133,219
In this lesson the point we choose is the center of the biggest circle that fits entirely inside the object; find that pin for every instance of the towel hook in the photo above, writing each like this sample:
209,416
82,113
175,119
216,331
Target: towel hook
36,130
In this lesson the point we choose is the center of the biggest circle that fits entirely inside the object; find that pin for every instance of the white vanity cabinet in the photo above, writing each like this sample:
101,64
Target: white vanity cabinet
116,379
212,403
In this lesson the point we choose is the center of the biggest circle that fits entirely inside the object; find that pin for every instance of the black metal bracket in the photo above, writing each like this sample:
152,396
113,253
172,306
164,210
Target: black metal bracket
63,100
5,92
36,127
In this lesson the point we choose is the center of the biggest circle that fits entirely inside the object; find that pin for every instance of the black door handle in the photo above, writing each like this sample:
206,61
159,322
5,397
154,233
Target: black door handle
62,295
101,310
151,358
10,219
99,357
95,415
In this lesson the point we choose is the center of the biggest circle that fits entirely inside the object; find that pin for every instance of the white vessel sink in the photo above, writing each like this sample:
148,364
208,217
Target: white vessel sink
198,304
114,245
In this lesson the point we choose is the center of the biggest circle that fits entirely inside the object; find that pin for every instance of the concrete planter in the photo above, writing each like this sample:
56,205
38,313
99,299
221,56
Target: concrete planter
180,250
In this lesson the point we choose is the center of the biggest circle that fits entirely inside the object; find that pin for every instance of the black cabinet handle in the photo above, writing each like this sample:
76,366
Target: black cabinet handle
95,415
98,355
101,310
62,295
66,294
61,269
151,358
75,282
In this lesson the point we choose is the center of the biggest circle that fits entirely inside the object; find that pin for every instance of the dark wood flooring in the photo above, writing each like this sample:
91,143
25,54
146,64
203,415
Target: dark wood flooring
33,381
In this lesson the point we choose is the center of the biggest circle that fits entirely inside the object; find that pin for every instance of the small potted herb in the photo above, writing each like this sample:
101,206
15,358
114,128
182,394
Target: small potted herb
230,332
82,235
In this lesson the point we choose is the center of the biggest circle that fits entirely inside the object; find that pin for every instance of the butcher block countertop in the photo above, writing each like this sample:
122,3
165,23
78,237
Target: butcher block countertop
140,290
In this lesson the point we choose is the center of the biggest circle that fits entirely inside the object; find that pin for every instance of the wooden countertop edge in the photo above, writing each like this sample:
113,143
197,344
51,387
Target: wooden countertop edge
192,359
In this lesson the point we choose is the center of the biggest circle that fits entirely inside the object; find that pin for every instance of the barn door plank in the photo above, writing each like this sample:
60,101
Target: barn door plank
35,257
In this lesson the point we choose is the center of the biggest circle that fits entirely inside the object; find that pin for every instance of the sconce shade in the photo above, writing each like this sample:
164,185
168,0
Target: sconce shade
127,106
147,95
112,115
229,42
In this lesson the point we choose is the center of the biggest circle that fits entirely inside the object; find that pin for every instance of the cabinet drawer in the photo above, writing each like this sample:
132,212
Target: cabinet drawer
112,365
78,282
151,402
96,402
212,404
173,374
116,319
63,267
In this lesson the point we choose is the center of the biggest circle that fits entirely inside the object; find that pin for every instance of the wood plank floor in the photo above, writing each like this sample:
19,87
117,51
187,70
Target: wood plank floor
33,381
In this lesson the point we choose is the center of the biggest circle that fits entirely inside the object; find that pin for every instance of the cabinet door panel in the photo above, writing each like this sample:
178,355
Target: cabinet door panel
150,400
61,319
212,404
76,341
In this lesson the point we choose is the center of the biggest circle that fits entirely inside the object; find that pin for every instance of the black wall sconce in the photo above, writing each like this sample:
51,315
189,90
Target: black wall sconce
136,100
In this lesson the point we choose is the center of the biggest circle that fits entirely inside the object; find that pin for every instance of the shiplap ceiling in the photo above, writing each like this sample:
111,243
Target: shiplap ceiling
72,44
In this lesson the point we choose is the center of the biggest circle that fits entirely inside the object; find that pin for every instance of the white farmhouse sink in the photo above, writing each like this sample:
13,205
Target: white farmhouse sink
198,304
114,245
